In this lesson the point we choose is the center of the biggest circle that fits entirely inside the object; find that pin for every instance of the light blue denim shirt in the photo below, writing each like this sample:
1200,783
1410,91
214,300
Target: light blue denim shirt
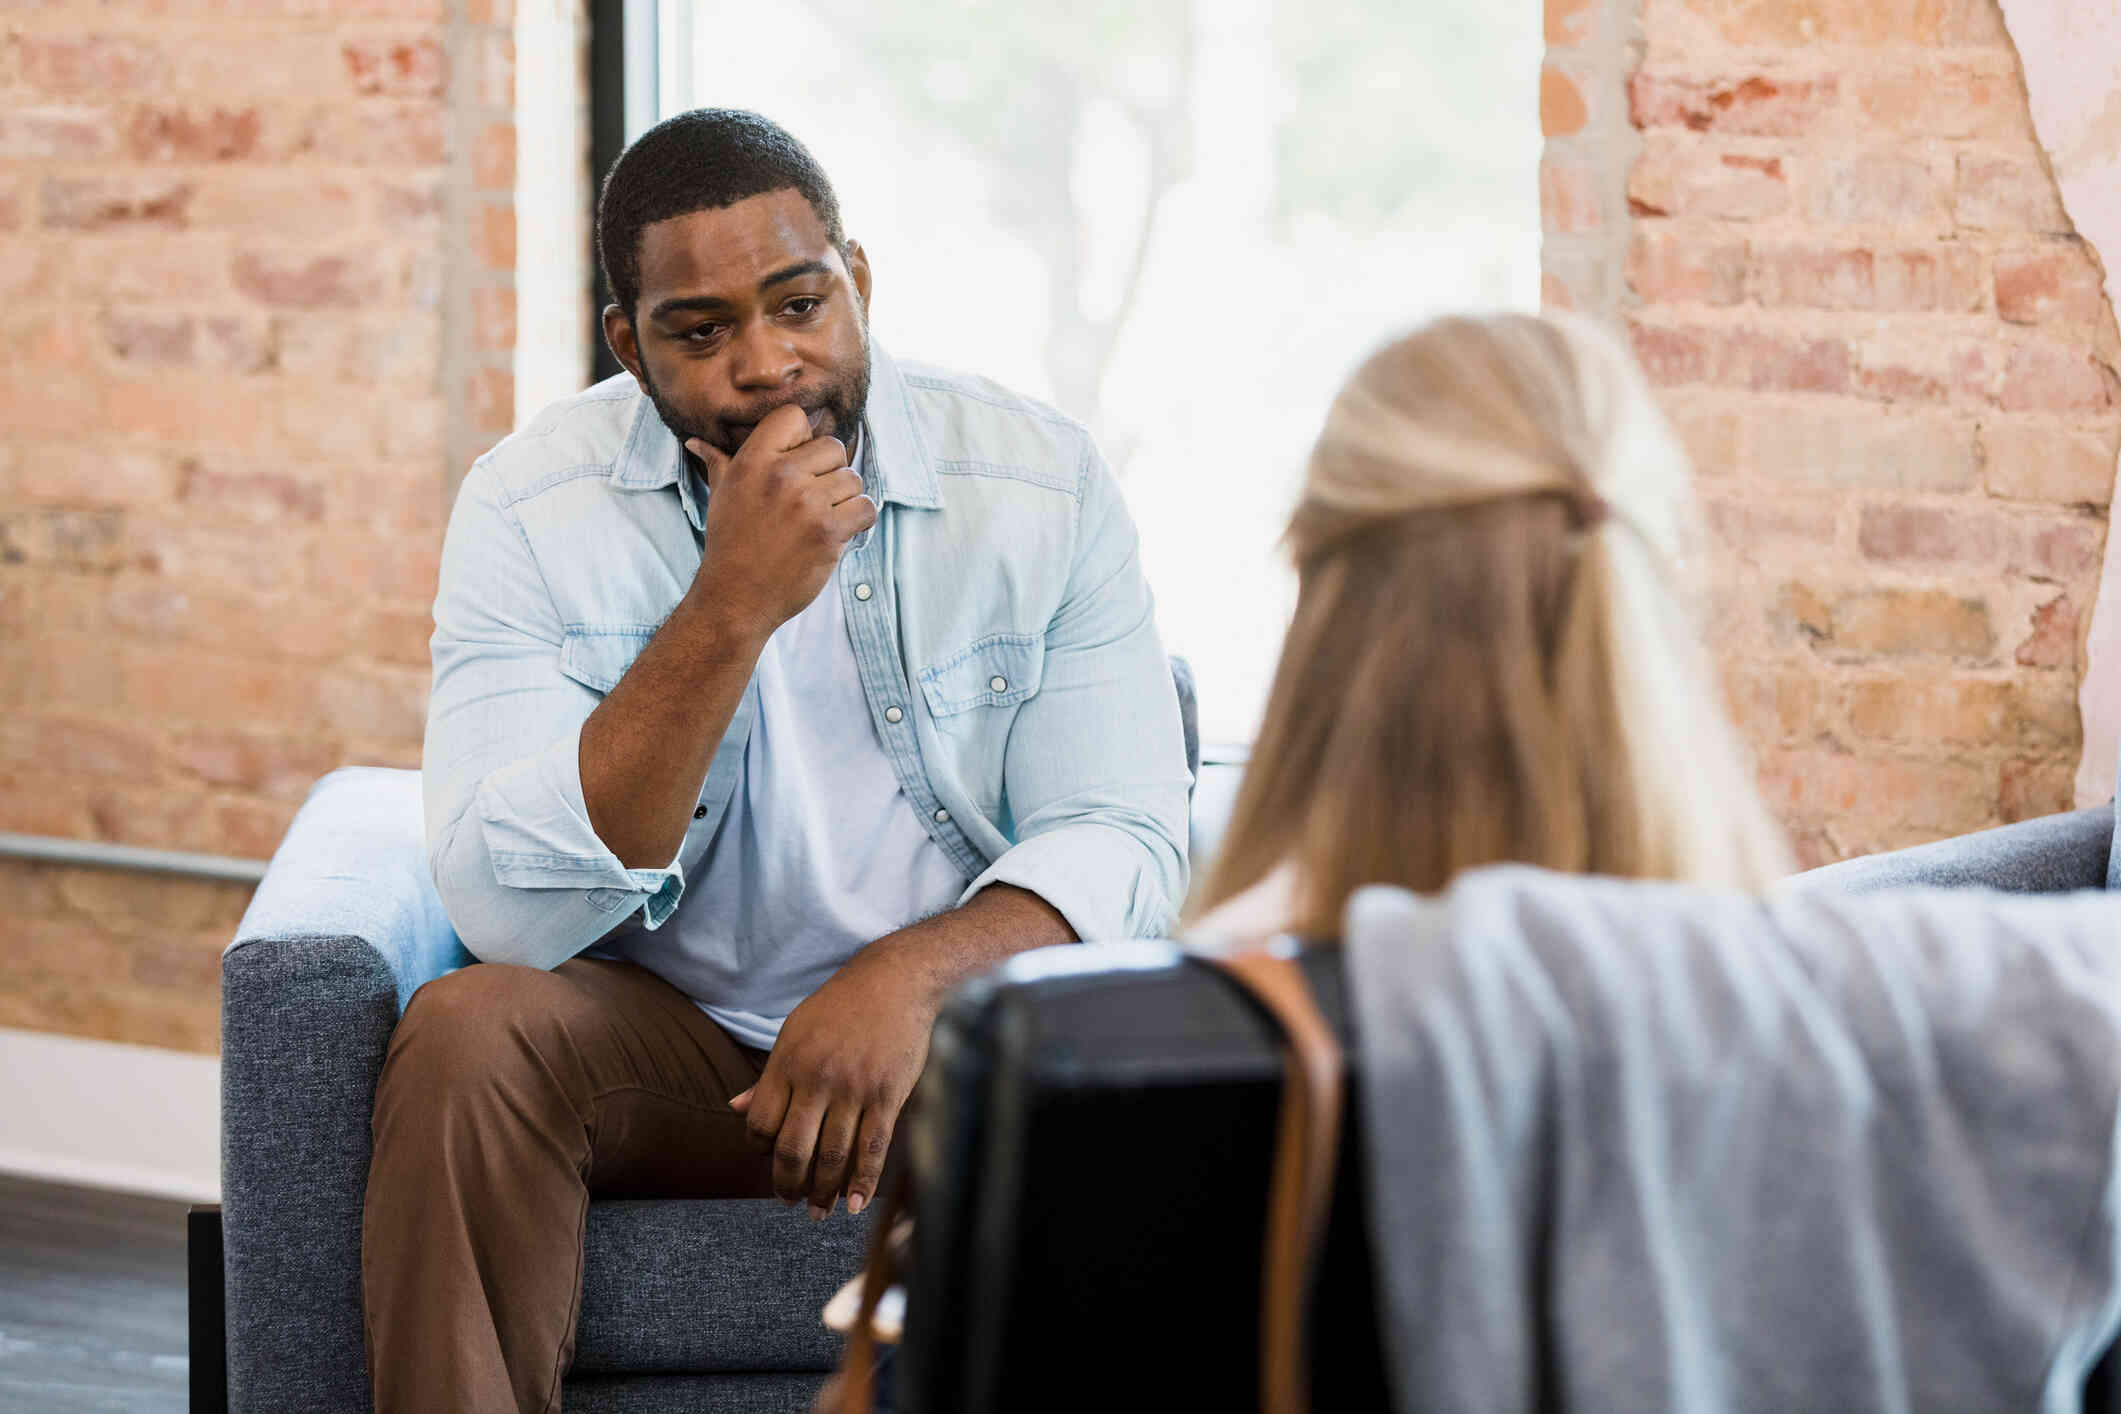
1005,638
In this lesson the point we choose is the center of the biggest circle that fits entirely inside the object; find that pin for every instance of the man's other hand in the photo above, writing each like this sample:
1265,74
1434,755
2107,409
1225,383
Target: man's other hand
829,1097
779,513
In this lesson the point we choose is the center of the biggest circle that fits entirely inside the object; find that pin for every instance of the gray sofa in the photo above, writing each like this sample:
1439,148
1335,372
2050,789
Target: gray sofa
696,1306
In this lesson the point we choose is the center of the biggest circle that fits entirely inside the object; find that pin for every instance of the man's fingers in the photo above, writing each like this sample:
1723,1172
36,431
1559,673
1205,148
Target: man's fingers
793,1149
871,1146
853,516
828,1166
741,1103
839,486
783,430
766,1108
713,458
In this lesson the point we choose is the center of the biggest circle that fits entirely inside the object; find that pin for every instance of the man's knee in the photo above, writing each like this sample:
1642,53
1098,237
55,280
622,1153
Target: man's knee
462,1031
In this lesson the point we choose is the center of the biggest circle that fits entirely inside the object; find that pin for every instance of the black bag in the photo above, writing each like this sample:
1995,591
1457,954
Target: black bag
1088,1163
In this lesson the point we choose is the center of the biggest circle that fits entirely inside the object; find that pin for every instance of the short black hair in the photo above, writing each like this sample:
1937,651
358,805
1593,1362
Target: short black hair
699,161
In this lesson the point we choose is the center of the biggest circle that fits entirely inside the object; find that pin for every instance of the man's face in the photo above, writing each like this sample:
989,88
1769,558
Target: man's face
743,310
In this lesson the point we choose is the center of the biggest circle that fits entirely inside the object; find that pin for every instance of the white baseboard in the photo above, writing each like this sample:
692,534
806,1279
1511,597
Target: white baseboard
103,1115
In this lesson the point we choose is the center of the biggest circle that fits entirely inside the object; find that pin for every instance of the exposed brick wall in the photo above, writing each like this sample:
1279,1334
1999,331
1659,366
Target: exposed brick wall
236,358
1839,253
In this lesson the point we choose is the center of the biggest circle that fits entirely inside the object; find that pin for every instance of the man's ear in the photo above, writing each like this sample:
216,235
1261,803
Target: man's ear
858,269
625,342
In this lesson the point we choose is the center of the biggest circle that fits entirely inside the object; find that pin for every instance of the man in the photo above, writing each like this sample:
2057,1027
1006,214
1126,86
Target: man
778,687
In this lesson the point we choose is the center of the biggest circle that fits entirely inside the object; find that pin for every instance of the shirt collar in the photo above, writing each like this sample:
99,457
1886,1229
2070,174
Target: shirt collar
888,452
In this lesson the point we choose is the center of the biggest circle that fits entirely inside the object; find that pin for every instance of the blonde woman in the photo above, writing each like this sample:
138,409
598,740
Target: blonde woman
1494,654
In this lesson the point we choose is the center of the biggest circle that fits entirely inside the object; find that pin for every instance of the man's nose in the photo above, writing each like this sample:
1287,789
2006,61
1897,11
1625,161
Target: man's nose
762,357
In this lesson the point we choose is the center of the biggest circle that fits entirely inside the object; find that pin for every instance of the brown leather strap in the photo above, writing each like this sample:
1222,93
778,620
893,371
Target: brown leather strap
854,1389
1306,1153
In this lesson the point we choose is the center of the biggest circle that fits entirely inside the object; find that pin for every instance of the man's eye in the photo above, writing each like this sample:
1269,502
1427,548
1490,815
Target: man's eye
804,304
701,334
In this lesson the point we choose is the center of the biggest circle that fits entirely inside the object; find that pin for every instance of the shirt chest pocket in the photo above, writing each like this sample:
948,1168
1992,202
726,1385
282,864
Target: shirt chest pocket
970,691
598,657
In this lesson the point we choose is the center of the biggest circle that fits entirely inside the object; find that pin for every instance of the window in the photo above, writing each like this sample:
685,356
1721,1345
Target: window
1183,223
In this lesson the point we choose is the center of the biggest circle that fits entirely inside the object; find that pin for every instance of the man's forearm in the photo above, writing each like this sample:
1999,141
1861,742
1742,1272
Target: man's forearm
997,923
646,748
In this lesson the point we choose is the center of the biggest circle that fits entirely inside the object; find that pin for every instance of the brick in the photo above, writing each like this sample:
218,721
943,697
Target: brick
1756,105
1939,278
376,569
417,429
1939,797
1683,268
186,407
2031,712
158,134
493,318
153,611
257,763
1562,110
379,134
1569,198
1569,22
493,157
85,64
1684,178
87,541
1670,355
494,237
2051,638
1893,534
150,338
97,203
2066,549
1901,623
374,701
302,205
130,904
133,266
200,556
1804,23
56,133
400,68
1777,705
403,350
1778,531
1951,101
1709,428
192,688
1881,189
91,747
489,401
2007,194
2046,376
303,280
1863,449
78,472
1906,366
397,636
2024,460
262,498
2056,283
416,203
348,431
270,62
237,343
1769,361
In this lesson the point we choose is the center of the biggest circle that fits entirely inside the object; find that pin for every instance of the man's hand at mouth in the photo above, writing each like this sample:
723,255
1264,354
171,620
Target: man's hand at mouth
782,510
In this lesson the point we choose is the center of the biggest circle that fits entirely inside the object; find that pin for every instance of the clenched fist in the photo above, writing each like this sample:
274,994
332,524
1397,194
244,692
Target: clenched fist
779,515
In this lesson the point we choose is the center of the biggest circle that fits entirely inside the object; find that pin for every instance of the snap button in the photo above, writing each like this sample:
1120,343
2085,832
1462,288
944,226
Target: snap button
942,817
862,591
998,683
894,716
700,814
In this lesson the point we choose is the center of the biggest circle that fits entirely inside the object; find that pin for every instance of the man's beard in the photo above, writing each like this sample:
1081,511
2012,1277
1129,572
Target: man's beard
841,402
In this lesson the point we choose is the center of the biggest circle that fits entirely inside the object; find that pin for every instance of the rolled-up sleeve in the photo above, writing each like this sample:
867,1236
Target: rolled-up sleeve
521,872
1096,762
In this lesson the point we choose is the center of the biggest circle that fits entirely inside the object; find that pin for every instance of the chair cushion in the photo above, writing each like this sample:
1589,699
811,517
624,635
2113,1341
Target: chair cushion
671,1285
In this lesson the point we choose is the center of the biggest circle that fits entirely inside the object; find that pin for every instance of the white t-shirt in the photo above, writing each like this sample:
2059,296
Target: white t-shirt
819,854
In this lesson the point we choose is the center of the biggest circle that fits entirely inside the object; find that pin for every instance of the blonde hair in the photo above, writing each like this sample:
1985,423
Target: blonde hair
1492,656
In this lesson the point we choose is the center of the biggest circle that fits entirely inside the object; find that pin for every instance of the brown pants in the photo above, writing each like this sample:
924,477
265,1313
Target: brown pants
508,1098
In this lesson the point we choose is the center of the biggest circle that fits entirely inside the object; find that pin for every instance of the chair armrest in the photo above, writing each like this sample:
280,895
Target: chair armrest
344,927
2053,854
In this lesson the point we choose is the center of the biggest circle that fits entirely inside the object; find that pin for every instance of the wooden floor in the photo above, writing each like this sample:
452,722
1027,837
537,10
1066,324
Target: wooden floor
91,1301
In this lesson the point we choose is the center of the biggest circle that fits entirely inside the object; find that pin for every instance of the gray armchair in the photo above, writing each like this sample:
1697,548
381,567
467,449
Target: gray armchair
686,1305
